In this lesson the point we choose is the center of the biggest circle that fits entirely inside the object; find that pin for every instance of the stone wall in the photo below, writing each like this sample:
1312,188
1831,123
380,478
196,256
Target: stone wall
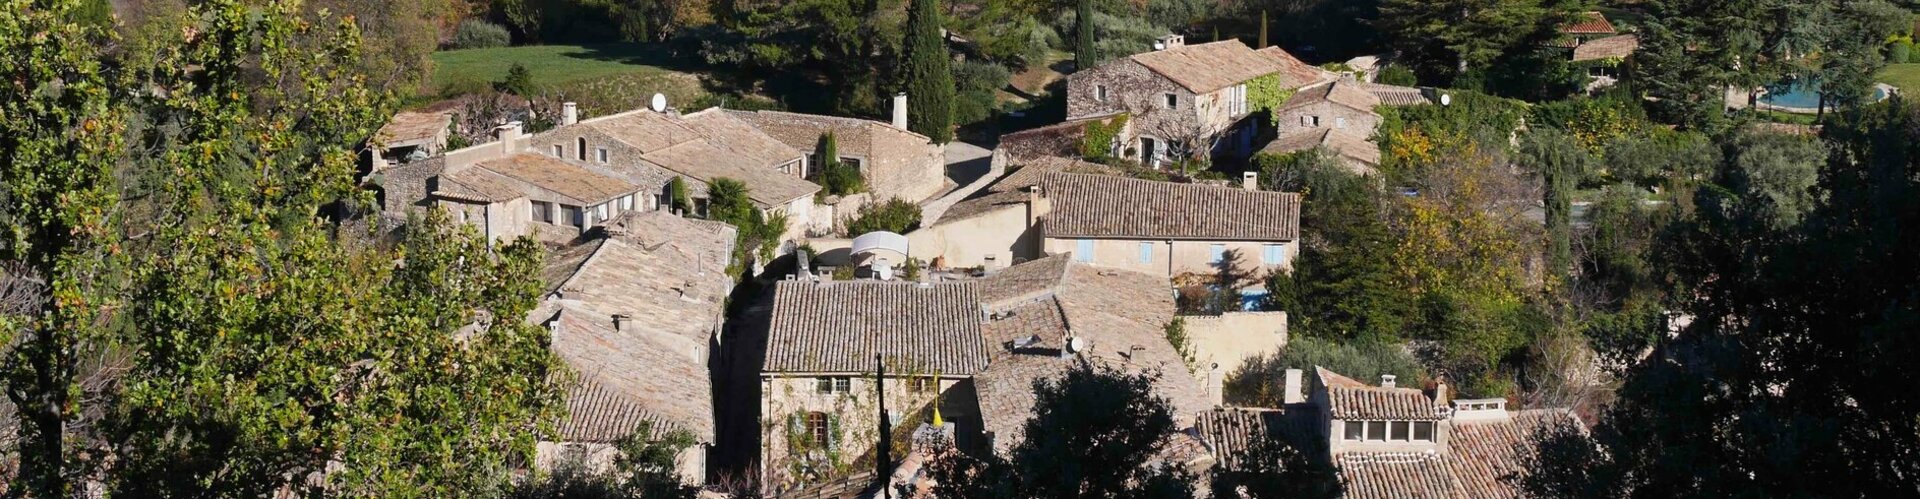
1358,122
853,422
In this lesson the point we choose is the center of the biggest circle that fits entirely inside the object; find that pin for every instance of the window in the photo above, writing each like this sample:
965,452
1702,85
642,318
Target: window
1423,431
1084,250
1100,93
559,151
1340,122
1146,252
833,384
600,153
1237,100
1273,254
817,428
580,152
1355,430
1315,121
922,384
572,215
600,213
626,202
1217,252
852,162
543,211
1397,431
1173,101
1376,431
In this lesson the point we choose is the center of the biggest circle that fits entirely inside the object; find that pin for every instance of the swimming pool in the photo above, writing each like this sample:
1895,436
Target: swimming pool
1802,94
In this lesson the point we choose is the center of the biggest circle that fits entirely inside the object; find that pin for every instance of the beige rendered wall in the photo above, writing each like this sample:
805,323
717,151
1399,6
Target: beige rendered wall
1002,233
1224,342
1173,258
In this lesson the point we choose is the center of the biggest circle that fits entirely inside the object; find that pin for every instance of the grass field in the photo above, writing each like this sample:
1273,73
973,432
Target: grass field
551,65
1905,76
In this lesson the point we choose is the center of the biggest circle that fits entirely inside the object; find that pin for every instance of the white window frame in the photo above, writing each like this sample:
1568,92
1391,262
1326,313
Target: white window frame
626,203
600,153
1340,122
559,151
1170,100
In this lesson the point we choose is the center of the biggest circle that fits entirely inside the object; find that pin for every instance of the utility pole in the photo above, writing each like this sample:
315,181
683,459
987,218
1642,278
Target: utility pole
883,462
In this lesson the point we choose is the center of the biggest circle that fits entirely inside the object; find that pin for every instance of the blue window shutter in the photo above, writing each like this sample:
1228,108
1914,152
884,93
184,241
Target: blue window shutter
1084,252
1146,252
1274,254
1219,251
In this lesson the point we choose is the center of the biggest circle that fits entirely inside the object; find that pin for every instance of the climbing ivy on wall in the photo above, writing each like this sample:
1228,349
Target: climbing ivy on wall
1264,94
1096,143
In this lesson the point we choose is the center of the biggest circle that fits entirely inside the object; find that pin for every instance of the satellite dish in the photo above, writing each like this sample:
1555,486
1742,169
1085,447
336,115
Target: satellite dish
659,104
1074,344
1446,99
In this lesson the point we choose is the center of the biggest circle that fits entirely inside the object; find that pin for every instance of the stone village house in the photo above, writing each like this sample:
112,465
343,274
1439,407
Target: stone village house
1183,99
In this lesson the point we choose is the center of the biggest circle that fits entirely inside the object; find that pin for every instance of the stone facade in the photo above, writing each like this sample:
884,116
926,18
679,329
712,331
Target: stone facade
1325,114
793,403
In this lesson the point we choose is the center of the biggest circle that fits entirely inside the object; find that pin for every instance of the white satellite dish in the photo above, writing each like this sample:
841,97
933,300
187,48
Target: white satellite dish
1075,344
1446,99
659,104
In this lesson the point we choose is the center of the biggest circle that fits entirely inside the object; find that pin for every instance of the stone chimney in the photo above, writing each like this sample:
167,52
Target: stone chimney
1386,381
509,137
1250,181
1293,394
1037,204
900,110
569,113
1440,394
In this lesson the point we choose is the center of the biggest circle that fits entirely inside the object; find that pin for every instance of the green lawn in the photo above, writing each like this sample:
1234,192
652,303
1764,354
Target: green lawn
1905,76
551,65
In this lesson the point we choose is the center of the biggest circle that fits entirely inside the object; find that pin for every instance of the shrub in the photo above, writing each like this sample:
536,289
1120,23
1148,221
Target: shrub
976,82
1260,382
478,34
1396,75
1900,52
519,81
894,216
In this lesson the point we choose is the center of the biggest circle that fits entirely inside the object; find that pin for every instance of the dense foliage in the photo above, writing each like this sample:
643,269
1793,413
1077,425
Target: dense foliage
926,73
893,215
1261,381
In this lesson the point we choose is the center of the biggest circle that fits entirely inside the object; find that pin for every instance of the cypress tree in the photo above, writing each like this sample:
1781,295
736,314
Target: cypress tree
929,79
1084,55
1263,30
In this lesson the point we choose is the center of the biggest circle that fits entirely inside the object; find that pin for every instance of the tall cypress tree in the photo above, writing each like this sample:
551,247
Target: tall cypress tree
1084,55
1263,30
929,79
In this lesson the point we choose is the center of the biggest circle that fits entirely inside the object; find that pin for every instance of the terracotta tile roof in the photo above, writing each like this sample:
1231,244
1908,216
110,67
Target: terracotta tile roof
1395,95
1342,92
704,161
1208,67
1344,143
1032,170
644,129
1350,399
741,137
1107,206
1395,476
1589,23
1058,139
711,240
1611,47
1293,72
853,136
837,327
628,377
411,127
981,205
1119,316
576,184
1483,459
1231,431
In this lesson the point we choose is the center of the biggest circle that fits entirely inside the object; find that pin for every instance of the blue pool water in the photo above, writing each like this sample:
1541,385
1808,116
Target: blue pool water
1802,94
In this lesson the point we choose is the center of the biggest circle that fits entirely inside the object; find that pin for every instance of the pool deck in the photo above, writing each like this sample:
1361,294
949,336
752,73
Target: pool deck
1737,99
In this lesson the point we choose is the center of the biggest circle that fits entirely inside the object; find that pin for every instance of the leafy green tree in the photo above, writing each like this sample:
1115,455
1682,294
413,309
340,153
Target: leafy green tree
1274,468
977,85
1447,38
1561,162
1769,179
927,74
838,178
1094,433
272,350
518,81
1085,54
894,215
643,469
677,196
59,144
1260,381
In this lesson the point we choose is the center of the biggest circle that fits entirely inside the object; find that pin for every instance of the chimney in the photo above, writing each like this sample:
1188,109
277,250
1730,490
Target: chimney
991,264
509,136
1293,394
569,113
1250,181
900,110
1037,204
1386,380
1216,388
1440,394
